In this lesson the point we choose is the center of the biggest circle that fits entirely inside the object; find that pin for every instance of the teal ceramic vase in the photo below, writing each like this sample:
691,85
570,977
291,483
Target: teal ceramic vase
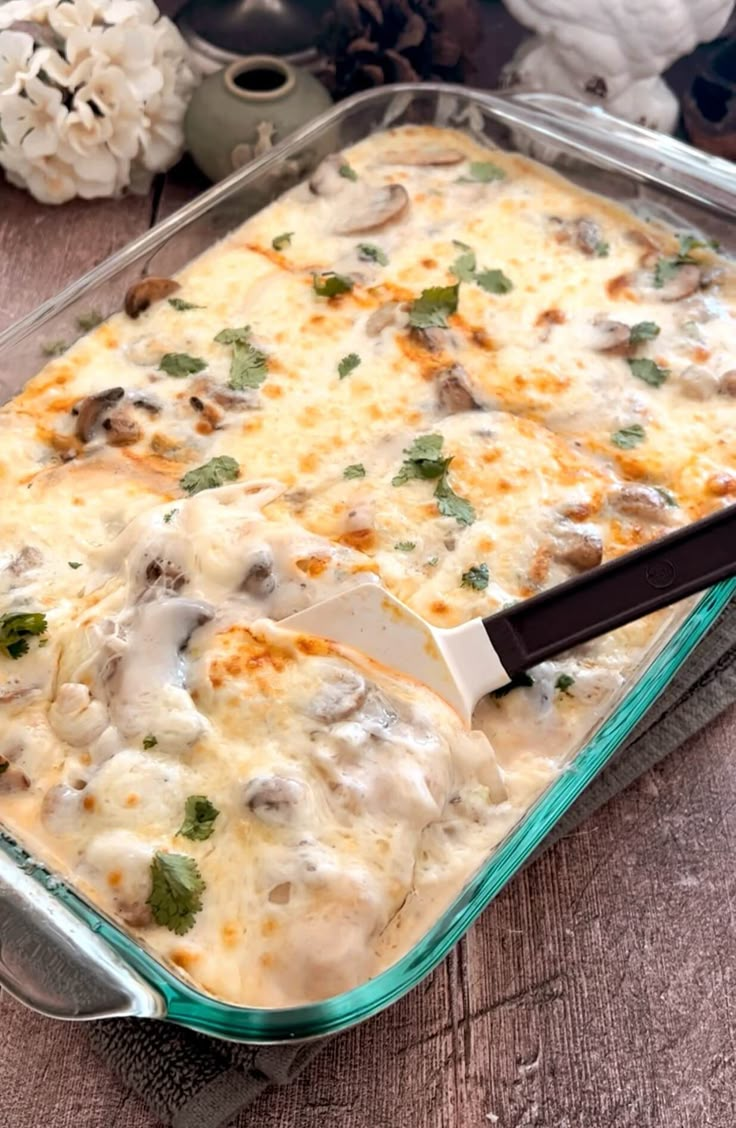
243,111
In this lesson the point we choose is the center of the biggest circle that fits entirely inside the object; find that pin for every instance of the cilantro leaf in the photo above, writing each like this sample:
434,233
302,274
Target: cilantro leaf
433,561
199,818
405,546
280,241
176,891
212,474
494,281
369,252
690,243
239,336
648,371
248,367
602,249
425,446
182,305
668,497
464,266
150,741
181,364
564,682
168,516
519,681
17,628
451,504
348,364
89,321
664,270
643,331
433,307
423,460
357,470
483,172
476,577
347,171
629,437
461,246
330,285
54,348
74,564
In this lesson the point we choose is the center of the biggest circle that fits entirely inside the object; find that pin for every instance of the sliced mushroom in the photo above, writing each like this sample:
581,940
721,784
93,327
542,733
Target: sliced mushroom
25,561
280,894
91,410
273,799
643,502
381,318
145,402
588,236
228,398
698,383
684,282
121,430
581,548
164,573
374,209
419,157
61,808
431,339
326,179
610,336
453,394
145,292
260,580
12,779
339,697
727,383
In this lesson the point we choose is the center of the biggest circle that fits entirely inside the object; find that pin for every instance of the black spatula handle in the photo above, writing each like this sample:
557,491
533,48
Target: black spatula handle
671,568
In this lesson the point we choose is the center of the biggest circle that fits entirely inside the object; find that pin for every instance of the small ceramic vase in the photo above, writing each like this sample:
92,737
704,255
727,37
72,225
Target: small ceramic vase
243,111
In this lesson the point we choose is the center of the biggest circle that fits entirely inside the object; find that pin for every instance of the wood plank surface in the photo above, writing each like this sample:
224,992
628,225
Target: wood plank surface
598,991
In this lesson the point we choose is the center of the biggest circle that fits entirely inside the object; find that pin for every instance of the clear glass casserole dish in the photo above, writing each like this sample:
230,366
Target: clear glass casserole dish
61,955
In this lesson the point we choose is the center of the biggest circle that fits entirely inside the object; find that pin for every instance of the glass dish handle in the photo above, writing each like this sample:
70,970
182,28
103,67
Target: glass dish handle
631,148
53,963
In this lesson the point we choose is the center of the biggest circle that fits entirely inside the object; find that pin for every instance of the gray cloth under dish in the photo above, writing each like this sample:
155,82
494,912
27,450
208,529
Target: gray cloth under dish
191,1081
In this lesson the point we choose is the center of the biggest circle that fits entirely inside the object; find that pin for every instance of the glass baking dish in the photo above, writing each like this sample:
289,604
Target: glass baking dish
63,957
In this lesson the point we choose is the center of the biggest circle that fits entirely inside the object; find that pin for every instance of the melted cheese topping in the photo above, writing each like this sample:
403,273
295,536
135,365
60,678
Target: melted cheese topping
352,805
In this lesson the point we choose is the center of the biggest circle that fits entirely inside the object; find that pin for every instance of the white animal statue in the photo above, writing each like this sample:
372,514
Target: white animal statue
612,52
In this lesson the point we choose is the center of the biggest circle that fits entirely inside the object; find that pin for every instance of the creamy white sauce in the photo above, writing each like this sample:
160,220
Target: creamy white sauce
352,804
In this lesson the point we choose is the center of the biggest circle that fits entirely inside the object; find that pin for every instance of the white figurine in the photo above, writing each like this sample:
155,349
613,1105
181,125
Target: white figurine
612,52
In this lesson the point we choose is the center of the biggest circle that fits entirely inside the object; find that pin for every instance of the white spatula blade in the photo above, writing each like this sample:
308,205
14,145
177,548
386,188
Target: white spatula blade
459,664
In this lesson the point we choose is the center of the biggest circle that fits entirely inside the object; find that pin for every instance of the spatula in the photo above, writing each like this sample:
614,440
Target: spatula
464,663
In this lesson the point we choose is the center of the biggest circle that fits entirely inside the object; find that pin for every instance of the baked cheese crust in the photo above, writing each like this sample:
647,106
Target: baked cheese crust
438,366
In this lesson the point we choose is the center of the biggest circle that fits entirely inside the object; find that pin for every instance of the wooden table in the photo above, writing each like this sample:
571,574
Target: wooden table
597,992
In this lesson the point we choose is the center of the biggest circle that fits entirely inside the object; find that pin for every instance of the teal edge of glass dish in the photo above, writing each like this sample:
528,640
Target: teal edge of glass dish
189,1007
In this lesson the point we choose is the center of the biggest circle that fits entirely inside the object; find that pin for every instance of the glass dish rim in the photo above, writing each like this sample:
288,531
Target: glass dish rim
185,1004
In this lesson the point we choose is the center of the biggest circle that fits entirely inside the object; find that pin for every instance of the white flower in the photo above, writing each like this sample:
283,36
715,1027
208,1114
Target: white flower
48,179
33,121
107,113
17,63
13,10
132,50
69,17
125,11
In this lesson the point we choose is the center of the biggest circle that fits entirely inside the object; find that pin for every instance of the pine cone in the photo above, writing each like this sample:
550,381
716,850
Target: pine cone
367,43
